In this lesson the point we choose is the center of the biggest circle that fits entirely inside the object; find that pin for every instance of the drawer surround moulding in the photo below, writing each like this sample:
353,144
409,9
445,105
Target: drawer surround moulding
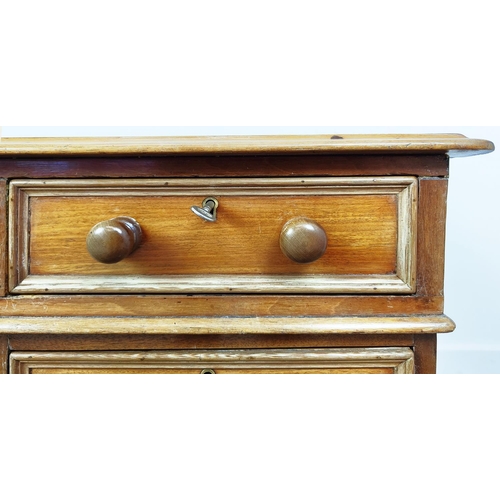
275,317
22,192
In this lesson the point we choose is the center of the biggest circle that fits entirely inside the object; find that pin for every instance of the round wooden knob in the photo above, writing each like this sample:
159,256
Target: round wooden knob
111,241
303,240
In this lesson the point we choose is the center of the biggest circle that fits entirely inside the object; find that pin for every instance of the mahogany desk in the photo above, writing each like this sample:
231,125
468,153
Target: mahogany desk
285,254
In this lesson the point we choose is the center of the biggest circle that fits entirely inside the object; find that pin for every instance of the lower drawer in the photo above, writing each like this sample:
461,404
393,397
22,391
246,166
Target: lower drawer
262,361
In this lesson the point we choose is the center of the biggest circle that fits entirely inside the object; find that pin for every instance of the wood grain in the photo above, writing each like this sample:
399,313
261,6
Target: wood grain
221,371
354,318
86,306
233,325
113,240
3,237
369,222
303,240
431,236
176,242
425,354
83,342
224,166
319,361
4,354
450,144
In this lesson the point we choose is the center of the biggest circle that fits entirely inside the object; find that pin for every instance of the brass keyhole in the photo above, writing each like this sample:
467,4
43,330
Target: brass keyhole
208,210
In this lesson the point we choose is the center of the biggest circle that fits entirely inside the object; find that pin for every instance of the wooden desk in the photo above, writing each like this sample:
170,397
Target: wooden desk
325,254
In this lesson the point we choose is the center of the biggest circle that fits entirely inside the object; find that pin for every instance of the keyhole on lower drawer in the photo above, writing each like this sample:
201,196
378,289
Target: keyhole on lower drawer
207,371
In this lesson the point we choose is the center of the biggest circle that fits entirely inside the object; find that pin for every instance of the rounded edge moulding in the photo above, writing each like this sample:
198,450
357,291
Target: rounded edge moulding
453,145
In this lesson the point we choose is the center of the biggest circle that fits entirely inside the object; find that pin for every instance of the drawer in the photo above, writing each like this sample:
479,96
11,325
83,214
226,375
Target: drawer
367,225
271,361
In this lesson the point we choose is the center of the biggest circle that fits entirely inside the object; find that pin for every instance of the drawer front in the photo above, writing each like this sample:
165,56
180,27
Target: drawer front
369,225
272,361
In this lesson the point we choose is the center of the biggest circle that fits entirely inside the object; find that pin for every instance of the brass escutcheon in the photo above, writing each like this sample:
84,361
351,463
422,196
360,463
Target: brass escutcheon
208,209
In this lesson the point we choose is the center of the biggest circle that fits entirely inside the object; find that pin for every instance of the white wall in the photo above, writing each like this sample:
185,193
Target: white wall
473,233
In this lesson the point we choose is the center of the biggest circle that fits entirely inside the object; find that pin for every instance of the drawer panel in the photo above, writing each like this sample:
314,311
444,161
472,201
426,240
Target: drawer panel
272,361
369,223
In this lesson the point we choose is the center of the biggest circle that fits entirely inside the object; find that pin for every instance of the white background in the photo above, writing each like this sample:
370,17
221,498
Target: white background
473,235
431,65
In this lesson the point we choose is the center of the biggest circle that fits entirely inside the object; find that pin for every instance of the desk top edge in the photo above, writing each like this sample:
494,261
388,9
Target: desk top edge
454,145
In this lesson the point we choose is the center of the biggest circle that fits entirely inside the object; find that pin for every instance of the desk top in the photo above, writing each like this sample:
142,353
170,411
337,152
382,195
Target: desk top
453,145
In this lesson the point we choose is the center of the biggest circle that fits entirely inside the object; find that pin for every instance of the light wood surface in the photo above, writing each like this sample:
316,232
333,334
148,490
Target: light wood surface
209,288
228,325
370,223
118,370
336,143
315,361
243,305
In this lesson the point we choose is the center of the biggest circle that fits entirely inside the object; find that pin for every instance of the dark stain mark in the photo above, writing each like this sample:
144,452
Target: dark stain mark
336,137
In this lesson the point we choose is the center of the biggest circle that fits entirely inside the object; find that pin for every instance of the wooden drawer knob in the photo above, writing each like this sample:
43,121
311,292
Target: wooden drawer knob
303,240
111,241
